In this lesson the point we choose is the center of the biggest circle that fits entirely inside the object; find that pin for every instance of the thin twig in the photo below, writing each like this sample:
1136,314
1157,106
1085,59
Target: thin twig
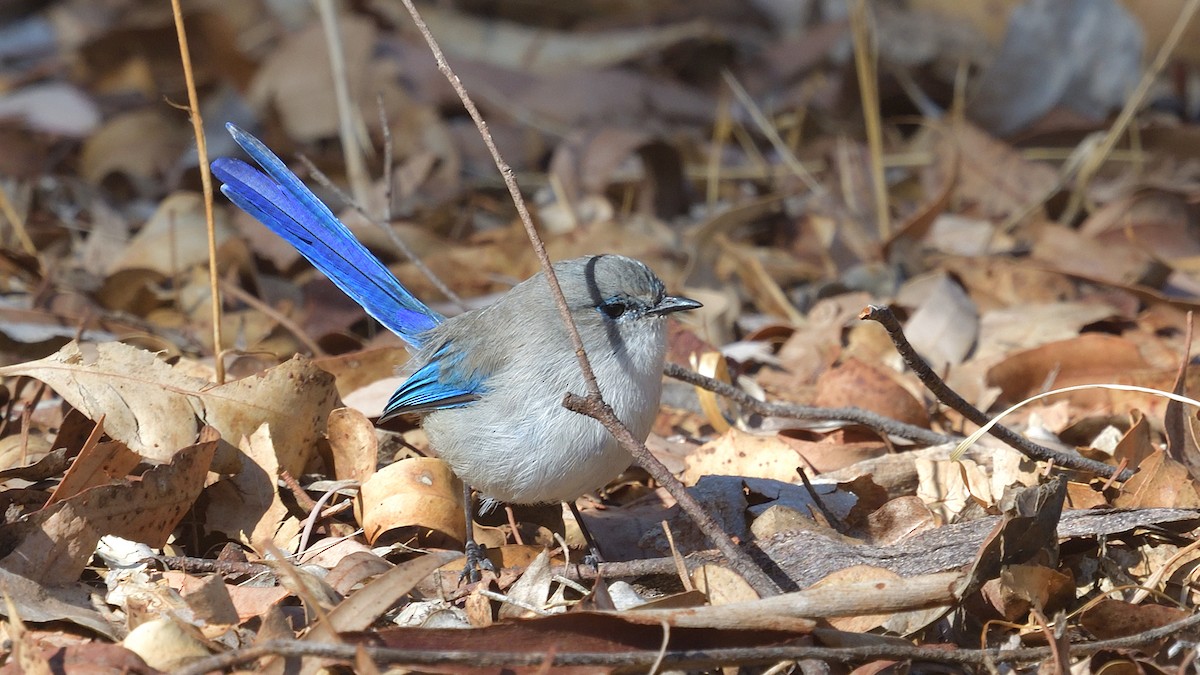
691,659
356,169
292,327
764,125
185,56
862,31
874,421
830,517
948,396
738,559
385,131
510,181
1132,105
230,568
396,240
594,405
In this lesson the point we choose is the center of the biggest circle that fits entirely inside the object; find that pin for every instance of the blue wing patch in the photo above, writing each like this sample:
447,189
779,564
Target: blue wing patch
436,385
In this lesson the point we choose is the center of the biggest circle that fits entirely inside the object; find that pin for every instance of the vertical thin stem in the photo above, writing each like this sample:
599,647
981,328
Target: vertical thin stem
356,169
868,86
185,56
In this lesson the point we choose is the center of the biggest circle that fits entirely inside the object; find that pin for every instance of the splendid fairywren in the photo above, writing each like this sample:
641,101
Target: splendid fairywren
490,382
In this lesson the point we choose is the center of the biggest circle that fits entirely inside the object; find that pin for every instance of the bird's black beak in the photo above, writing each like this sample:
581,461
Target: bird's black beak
671,304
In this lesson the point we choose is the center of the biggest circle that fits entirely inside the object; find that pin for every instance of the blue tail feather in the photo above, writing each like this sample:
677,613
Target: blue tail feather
281,202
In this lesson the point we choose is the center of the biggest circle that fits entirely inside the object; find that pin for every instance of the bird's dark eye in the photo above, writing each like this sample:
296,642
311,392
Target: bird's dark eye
613,308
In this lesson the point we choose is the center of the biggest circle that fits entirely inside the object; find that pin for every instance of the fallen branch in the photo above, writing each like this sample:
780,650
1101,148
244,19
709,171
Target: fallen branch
874,421
938,387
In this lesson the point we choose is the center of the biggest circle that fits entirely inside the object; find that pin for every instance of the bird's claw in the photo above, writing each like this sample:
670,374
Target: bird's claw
593,559
476,560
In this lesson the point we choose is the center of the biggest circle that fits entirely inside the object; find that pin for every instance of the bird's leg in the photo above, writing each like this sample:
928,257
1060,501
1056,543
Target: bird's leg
476,560
593,557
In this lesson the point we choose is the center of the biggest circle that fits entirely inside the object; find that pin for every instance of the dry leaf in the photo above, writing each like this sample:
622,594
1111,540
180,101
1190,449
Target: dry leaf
152,408
854,383
737,453
246,506
58,541
174,239
415,497
353,445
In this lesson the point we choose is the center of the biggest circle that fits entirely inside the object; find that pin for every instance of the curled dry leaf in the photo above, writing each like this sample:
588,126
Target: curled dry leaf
165,644
353,444
418,495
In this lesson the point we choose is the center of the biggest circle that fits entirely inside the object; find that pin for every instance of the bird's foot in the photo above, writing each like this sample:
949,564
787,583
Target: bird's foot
593,558
476,560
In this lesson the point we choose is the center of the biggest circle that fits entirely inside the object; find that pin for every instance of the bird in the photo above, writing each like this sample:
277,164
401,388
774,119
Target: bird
488,384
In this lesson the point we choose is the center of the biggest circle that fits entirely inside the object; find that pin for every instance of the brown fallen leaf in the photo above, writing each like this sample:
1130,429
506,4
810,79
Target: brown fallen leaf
353,445
1138,442
737,453
174,239
1091,357
993,178
944,326
166,643
37,602
859,384
721,585
57,542
94,657
96,465
415,497
1159,482
1022,587
154,409
212,606
1108,619
246,506
294,80
1117,262
137,145
355,370
361,609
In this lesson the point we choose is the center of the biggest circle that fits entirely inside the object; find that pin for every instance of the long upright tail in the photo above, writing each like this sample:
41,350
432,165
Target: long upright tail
280,201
